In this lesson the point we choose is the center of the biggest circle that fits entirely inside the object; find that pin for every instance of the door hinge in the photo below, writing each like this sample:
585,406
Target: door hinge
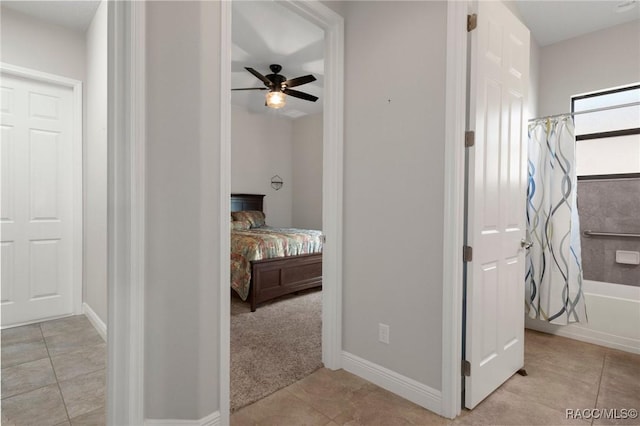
467,253
472,22
466,368
324,239
469,138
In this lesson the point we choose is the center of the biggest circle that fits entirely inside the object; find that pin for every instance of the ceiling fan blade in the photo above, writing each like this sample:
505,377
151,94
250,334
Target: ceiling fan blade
252,88
301,95
298,81
261,77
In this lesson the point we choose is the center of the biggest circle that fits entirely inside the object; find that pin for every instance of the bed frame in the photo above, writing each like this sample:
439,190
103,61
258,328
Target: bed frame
272,278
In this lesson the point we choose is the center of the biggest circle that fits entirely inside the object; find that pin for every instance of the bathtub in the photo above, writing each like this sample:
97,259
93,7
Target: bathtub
614,317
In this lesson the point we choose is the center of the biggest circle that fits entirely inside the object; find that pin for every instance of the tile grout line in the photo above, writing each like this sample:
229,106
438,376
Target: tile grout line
64,403
604,359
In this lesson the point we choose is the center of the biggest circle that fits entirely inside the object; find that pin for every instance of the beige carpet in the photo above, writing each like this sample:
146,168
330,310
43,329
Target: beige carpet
275,346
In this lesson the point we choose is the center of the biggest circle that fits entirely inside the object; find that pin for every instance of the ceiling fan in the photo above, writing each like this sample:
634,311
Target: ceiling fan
279,86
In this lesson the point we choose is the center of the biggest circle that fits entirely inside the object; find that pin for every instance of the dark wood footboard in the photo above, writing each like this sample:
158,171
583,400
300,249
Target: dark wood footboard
272,278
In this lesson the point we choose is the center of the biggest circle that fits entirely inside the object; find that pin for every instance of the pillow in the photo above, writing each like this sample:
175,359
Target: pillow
256,218
240,225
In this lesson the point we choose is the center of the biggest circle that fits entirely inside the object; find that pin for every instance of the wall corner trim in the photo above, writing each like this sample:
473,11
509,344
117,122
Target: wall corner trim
416,392
212,419
95,321
126,216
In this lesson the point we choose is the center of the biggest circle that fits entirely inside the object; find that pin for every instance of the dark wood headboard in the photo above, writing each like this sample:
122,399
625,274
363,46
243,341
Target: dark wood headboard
240,202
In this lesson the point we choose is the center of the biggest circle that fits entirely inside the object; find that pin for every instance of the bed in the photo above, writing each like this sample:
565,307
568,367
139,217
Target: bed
271,277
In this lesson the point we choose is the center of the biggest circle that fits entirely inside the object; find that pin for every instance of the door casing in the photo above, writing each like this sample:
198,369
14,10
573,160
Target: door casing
455,126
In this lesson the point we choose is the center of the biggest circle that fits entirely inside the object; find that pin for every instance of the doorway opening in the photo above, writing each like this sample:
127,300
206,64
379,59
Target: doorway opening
331,177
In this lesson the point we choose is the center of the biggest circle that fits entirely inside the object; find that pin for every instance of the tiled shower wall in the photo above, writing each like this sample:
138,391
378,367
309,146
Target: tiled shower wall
609,205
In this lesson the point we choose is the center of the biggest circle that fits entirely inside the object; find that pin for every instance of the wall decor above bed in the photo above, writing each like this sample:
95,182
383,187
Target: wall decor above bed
276,182
267,262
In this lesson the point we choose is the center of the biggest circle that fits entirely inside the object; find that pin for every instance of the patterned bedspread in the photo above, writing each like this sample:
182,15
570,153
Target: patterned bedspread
266,243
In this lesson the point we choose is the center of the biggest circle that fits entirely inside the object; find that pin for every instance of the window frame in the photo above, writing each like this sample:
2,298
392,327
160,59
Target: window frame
608,134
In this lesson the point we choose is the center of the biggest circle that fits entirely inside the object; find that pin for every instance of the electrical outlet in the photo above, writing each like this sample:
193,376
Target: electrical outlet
383,333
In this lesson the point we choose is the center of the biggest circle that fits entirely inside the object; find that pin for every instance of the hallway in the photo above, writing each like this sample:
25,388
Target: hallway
53,373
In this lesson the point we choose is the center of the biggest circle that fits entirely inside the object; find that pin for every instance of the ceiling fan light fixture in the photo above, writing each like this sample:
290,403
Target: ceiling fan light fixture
276,100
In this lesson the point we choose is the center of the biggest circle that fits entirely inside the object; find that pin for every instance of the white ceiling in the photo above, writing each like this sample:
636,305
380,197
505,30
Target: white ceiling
554,21
264,33
76,15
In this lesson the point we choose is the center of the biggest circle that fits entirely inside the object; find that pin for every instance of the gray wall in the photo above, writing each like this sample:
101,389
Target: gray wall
394,184
307,172
610,205
183,139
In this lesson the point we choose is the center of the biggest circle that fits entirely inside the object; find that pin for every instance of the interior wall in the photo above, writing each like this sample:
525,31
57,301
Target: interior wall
32,43
261,147
393,184
183,201
599,60
307,172
95,166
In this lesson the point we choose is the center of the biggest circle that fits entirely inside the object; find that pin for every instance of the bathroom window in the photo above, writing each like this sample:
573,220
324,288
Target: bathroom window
608,142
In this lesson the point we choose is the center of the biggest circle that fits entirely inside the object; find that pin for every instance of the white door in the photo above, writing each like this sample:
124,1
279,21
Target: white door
37,193
496,200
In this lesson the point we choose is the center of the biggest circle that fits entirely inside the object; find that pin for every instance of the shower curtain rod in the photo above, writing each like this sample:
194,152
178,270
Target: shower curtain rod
586,111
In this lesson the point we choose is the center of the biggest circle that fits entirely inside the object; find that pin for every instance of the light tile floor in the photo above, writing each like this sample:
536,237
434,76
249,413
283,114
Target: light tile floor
562,374
53,373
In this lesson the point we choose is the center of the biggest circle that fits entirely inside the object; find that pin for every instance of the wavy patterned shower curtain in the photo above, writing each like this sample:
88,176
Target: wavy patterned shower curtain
554,265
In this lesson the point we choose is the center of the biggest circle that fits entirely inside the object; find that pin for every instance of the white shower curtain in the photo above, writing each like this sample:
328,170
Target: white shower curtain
554,264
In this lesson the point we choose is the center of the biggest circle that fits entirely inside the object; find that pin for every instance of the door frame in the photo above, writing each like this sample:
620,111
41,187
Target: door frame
454,202
332,186
76,172
332,173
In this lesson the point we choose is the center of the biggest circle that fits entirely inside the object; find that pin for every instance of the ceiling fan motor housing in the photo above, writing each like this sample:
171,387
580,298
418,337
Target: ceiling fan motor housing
275,68
275,78
277,81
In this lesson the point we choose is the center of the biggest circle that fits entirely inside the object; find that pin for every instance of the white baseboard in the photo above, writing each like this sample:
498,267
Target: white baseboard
212,419
586,335
95,320
403,386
